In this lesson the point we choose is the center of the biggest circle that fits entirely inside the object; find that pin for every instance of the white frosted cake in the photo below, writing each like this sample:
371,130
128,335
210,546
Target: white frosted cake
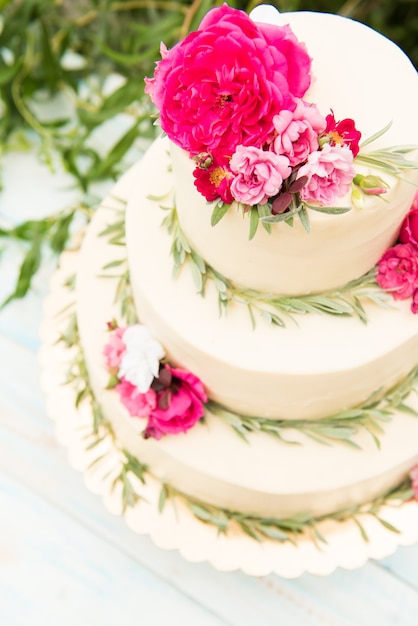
264,362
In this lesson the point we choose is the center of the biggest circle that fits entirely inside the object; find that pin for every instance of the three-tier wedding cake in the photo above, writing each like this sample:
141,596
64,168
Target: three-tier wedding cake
263,364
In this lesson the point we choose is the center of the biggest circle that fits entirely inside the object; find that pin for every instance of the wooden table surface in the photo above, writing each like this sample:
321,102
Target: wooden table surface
64,560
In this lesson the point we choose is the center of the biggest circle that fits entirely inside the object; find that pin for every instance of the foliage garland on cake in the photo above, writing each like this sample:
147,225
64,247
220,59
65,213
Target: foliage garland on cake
132,469
173,400
346,301
231,95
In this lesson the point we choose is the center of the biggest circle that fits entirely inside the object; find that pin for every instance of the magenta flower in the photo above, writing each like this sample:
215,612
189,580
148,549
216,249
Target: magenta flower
297,132
214,181
409,228
179,404
258,174
222,85
330,172
398,271
343,133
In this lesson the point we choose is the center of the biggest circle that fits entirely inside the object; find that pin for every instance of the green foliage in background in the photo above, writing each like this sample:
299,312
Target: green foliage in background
65,50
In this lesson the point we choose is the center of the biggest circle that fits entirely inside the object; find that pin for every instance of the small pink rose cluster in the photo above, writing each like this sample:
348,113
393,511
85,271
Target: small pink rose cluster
231,94
172,399
397,270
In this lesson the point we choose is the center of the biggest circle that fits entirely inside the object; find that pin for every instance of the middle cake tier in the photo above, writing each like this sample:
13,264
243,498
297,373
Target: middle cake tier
314,367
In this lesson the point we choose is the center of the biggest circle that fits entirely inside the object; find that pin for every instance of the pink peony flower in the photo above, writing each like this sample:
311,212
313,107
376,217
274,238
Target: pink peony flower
398,271
414,480
259,174
297,132
330,172
214,181
138,404
223,84
179,405
343,133
114,349
409,228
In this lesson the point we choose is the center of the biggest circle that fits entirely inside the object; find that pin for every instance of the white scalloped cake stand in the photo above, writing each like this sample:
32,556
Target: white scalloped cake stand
177,528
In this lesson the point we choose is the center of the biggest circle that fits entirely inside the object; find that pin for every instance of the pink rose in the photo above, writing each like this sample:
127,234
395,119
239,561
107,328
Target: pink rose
114,349
330,172
138,404
409,228
414,481
297,132
214,181
343,133
223,84
398,271
259,174
179,405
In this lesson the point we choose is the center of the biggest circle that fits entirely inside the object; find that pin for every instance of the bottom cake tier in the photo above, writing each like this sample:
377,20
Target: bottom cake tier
261,475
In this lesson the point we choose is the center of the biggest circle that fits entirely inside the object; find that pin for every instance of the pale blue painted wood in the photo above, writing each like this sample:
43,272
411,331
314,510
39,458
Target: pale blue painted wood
53,571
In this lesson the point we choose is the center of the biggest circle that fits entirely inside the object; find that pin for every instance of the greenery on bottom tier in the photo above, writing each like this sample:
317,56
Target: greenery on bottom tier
222,519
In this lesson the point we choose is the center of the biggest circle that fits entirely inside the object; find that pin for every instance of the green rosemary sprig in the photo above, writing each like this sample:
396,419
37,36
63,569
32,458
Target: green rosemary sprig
292,528
123,293
345,301
339,428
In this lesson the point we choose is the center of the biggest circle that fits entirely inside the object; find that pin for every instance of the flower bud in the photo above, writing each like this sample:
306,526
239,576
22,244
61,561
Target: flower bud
203,160
370,184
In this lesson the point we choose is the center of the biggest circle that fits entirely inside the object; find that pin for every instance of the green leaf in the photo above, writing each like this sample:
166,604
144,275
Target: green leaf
197,275
253,222
330,210
28,269
162,498
304,218
219,210
61,232
104,167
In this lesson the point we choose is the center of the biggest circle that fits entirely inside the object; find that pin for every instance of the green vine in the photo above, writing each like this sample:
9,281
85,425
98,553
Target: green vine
345,301
342,427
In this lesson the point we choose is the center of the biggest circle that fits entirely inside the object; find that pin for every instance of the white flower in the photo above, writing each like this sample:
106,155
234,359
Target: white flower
141,360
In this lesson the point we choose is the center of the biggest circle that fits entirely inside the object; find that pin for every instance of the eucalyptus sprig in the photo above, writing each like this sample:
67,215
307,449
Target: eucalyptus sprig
346,301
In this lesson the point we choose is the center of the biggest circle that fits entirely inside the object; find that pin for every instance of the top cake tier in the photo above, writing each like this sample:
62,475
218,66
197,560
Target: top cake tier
358,74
